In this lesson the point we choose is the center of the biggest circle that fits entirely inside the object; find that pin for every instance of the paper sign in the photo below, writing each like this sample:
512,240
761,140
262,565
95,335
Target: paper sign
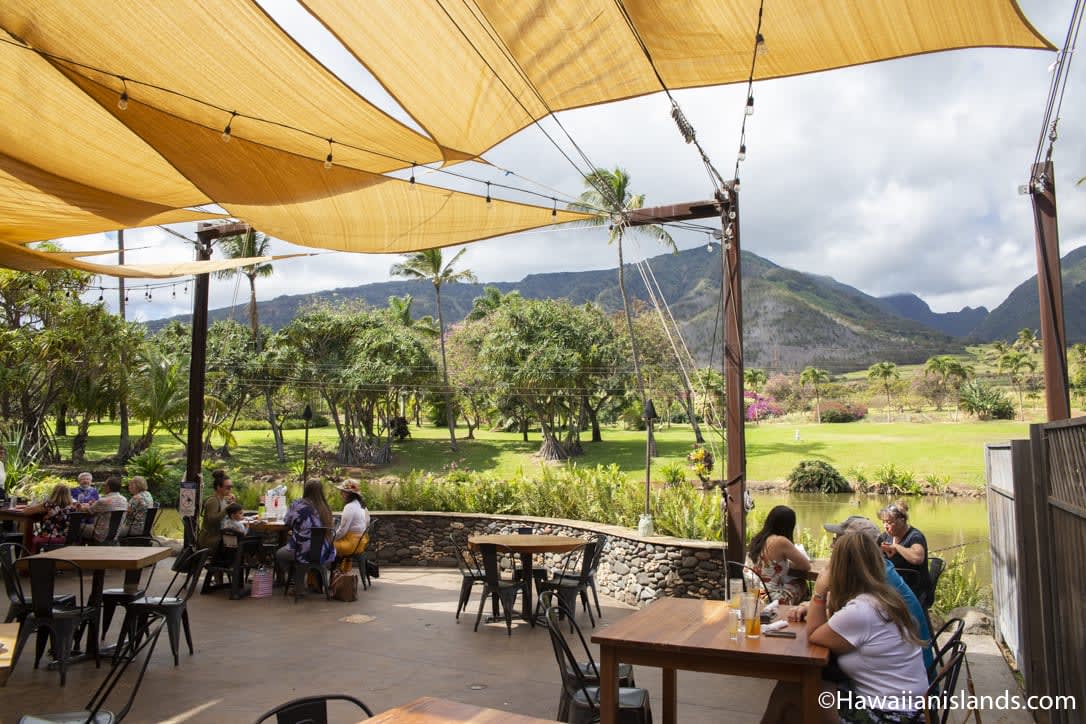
186,501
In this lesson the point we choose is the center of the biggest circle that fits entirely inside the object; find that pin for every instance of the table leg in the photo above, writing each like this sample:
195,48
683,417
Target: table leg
812,687
670,686
608,685
28,533
529,599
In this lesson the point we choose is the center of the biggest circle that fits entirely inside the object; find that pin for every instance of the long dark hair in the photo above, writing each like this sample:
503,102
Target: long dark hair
313,492
780,521
856,568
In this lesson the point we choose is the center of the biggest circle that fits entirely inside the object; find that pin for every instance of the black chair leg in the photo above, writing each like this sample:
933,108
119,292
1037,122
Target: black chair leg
173,625
108,607
596,598
465,595
43,637
188,631
482,605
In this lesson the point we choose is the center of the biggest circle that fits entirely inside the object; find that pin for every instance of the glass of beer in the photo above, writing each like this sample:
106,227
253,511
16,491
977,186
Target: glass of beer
733,623
752,619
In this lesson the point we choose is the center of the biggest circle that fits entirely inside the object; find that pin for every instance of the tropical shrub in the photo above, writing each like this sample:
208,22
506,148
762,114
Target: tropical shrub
835,411
892,481
759,407
986,402
958,586
38,489
163,480
816,476
673,473
701,461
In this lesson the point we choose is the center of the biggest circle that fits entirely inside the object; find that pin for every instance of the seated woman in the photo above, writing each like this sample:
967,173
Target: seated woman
310,512
773,556
214,509
862,620
351,537
53,529
138,504
906,547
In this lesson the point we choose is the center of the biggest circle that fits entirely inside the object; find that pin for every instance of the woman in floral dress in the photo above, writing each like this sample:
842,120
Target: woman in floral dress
53,528
774,557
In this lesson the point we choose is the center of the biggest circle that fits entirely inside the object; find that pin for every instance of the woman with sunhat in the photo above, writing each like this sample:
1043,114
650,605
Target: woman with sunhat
351,537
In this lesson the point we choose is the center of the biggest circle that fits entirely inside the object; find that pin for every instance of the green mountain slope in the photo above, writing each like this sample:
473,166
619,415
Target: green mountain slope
791,319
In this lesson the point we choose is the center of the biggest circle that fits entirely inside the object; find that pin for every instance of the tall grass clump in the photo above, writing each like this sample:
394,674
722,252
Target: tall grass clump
958,586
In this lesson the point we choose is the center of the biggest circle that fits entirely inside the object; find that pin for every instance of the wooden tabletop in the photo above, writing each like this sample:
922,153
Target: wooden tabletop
267,526
100,558
429,710
529,543
18,513
694,626
8,632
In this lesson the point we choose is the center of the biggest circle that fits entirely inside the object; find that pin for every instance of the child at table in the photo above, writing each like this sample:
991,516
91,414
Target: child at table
235,519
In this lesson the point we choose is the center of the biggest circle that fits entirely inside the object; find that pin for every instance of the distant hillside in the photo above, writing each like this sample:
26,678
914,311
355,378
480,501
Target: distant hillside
791,319
956,324
1022,308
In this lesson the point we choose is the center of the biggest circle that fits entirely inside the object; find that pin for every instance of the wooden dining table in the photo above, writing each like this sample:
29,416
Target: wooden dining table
431,710
8,632
25,520
690,634
99,559
527,545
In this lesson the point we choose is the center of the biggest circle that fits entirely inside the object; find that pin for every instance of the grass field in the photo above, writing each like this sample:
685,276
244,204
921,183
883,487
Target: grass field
947,449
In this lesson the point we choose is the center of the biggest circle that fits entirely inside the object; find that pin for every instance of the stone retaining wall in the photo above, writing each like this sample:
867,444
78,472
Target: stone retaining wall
633,569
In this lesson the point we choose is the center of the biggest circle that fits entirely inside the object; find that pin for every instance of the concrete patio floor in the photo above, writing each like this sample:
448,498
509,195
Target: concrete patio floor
399,641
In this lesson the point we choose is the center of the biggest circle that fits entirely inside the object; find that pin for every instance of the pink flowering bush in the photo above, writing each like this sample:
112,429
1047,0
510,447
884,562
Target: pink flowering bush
759,407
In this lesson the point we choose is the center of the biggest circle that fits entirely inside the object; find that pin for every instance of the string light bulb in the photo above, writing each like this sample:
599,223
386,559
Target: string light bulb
760,48
742,152
412,179
709,242
328,158
488,199
122,102
554,207
750,105
126,295
227,133
101,295
173,292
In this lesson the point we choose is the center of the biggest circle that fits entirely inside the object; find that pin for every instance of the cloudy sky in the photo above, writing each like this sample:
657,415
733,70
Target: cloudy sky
897,176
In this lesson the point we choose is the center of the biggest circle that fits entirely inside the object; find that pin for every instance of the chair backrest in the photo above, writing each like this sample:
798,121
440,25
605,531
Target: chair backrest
573,679
589,560
466,560
936,566
601,545
149,516
9,553
134,646
945,685
115,519
951,633
186,573
317,536
549,599
525,530
309,709
43,575
74,535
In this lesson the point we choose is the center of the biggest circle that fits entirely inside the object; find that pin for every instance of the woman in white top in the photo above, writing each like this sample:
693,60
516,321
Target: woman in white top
859,617
351,538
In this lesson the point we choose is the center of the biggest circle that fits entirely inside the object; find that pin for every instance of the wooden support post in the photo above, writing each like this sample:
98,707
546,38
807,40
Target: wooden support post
1050,289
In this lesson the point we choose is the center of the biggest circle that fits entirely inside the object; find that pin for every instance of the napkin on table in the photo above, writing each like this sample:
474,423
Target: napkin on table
775,626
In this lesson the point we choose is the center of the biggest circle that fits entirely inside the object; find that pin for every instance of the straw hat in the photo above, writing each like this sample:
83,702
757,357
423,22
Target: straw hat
350,486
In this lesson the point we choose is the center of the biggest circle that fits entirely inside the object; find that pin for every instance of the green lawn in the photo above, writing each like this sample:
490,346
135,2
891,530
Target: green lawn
954,450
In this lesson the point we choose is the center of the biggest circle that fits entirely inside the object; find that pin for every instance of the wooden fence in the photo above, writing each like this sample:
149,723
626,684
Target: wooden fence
1004,546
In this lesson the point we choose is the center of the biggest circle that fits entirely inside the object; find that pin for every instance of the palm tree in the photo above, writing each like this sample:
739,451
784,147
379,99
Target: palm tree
427,264
489,301
609,198
754,378
242,246
399,310
884,373
1027,341
815,377
945,367
1016,363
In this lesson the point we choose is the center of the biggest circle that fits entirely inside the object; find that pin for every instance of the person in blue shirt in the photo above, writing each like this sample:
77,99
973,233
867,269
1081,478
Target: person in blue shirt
84,493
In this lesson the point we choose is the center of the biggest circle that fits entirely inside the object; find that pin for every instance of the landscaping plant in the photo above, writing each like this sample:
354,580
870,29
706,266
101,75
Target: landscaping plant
815,476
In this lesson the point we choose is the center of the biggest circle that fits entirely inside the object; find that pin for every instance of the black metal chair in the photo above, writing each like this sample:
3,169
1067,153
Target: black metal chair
571,580
74,534
471,573
362,558
172,603
936,566
309,709
58,625
942,688
144,533
234,558
116,517
147,640
502,593
299,570
951,635
113,597
588,667
584,696
19,606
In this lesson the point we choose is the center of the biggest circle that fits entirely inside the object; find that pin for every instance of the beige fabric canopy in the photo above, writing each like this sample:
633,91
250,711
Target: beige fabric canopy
471,73
474,72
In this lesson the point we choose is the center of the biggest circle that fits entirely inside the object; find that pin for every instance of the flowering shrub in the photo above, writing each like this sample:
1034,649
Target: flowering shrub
759,407
701,460
834,411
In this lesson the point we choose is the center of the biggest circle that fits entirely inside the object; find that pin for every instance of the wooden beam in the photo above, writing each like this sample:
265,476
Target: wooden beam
675,212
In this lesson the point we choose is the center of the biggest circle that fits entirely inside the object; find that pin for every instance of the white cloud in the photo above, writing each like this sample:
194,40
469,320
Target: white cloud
896,176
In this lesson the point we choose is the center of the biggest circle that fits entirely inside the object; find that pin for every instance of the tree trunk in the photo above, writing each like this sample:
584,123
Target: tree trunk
688,403
450,416
594,419
524,429
62,421
79,442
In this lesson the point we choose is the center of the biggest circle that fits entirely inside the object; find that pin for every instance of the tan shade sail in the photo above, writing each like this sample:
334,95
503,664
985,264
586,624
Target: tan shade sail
36,205
22,258
224,52
466,70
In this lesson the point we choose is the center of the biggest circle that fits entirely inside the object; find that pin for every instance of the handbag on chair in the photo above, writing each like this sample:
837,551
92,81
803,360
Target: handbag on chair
344,586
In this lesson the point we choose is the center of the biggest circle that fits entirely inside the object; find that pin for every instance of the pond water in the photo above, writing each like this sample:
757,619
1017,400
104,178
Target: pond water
949,523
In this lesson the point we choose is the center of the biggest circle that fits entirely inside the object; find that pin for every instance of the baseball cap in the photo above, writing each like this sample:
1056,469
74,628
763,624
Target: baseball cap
854,524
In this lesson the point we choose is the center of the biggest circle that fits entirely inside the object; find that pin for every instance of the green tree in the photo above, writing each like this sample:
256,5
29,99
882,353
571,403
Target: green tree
489,301
242,246
885,374
160,397
610,199
1027,341
1016,364
399,311
429,265
946,369
754,378
815,377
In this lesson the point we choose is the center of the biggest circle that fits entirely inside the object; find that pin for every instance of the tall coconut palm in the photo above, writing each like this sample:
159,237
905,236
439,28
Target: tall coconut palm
609,199
242,246
1027,341
815,377
428,264
1016,364
754,378
885,373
